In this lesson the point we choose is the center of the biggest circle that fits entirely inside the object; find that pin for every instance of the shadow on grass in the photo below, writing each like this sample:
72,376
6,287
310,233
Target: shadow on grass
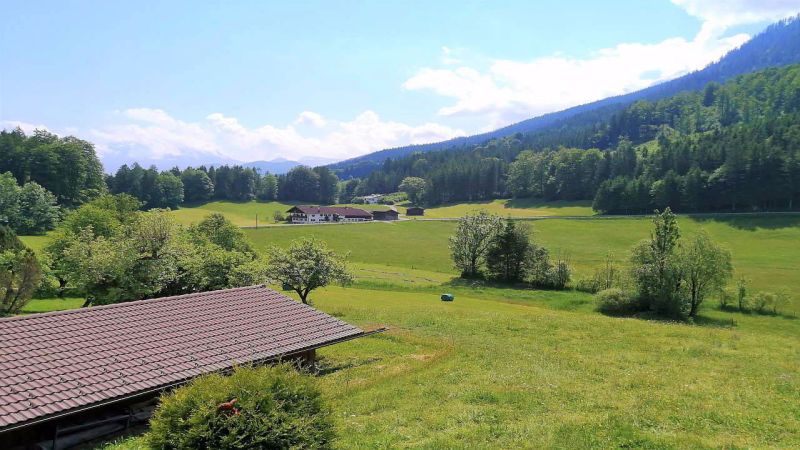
752,222
523,203
326,368
734,309
700,319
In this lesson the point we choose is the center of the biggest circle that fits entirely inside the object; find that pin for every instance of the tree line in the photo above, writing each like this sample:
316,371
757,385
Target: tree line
172,188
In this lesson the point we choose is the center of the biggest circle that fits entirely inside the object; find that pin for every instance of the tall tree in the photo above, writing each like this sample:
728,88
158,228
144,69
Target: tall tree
472,240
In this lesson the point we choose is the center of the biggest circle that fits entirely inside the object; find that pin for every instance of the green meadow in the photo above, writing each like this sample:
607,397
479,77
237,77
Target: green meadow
507,367
244,213
766,249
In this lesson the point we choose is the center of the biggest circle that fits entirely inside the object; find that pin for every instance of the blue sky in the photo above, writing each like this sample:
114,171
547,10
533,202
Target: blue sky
184,81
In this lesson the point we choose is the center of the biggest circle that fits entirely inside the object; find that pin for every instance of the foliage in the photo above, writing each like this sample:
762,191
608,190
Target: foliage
706,268
656,268
270,407
741,293
27,209
222,232
549,275
67,167
414,187
154,189
20,273
616,301
473,237
145,254
197,186
306,265
771,302
509,253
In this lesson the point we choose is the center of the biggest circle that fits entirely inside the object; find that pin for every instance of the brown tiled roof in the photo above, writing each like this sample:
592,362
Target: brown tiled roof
340,210
58,362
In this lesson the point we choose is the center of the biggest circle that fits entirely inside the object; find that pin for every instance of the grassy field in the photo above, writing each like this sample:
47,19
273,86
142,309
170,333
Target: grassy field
765,249
240,213
505,367
513,208
244,213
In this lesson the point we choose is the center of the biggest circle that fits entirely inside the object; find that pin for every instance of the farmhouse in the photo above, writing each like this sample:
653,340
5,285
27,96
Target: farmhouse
415,211
389,214
69,376
326,214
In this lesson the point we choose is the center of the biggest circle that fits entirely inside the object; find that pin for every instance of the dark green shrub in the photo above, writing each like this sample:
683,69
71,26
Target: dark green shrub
274,407
616,301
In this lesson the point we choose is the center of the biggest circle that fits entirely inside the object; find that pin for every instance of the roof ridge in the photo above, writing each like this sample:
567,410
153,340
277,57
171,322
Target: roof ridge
126,304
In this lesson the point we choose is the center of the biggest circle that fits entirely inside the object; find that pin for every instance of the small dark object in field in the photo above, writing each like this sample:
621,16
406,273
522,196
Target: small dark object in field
448,297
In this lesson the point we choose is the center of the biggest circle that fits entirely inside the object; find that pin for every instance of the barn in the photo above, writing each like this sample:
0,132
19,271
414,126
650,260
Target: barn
389,214
70,376
415,211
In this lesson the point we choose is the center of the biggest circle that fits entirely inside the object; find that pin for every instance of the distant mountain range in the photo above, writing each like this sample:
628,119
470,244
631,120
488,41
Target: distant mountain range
279,166
778,45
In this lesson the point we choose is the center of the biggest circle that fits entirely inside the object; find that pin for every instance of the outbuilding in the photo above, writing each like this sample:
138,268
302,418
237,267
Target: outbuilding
388,214
70,376
415,211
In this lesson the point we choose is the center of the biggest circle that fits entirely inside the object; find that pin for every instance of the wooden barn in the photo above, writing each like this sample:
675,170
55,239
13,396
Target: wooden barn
415,211
389,214
71,376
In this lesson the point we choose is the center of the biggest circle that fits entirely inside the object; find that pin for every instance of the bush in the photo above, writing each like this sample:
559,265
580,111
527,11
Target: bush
590,285
267,407
278,217
615,301
726,298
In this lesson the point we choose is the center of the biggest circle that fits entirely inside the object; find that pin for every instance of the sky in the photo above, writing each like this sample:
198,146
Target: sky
206,81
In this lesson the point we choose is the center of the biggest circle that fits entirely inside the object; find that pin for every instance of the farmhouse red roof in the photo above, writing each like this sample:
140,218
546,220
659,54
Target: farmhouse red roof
58,362
340,210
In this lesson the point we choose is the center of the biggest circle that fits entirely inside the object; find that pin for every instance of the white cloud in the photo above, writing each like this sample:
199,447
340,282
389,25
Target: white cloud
510,91
153,134
310,118
737,12
28,128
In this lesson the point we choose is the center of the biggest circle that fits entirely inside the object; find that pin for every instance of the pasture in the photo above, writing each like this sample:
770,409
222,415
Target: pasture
510,367
244,213
765,248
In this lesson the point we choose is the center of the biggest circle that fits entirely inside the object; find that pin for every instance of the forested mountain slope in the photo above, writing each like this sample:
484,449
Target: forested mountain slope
777,46
726,147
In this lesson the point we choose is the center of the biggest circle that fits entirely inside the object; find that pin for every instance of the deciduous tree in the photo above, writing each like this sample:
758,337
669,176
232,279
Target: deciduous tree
306,265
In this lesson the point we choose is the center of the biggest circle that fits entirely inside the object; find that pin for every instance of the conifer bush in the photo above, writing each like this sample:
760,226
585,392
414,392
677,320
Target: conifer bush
266,407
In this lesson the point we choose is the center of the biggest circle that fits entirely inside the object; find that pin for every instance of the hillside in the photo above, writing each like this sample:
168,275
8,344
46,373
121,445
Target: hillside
777,46
729,147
